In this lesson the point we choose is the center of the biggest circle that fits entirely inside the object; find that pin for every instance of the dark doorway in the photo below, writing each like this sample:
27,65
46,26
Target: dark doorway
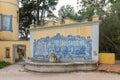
19,52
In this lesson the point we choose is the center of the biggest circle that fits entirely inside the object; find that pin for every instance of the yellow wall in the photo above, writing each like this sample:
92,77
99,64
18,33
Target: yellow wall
4,44
59,22
82,31
95,18
10,7
69,21
51,23
107,58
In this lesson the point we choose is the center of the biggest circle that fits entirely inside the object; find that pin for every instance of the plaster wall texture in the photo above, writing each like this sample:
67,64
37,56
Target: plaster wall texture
84,30
4,44
10,7
107,58
79,30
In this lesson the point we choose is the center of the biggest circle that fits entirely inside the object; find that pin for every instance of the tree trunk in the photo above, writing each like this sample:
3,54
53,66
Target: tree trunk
37,18
42,11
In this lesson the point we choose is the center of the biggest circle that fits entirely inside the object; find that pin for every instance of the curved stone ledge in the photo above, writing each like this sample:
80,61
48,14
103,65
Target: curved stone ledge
60,67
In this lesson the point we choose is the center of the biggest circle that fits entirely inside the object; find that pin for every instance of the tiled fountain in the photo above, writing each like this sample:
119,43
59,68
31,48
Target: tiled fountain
64,48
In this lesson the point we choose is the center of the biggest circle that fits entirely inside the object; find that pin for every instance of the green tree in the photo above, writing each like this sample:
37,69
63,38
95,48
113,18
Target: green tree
44,7
36,10
109,12
115,7
110,33
25,18
67,12
88,7
110,30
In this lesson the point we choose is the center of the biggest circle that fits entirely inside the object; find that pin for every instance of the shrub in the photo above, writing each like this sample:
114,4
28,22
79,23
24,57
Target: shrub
3,64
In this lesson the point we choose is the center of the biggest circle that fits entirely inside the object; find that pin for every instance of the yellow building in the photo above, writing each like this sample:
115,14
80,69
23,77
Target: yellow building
11,49
9,19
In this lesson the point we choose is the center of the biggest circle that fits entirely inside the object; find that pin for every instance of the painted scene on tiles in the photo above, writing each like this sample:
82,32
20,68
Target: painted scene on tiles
70,47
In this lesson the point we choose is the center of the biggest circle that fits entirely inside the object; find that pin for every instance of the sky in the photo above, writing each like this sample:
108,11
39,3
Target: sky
73,3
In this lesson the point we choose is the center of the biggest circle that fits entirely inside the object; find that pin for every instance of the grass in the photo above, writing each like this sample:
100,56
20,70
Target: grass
3,64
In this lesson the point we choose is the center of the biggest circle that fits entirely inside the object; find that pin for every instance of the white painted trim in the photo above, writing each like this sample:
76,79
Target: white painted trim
31,44
95,41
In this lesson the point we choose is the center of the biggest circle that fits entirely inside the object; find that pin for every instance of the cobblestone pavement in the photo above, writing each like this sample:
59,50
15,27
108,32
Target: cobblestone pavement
15,72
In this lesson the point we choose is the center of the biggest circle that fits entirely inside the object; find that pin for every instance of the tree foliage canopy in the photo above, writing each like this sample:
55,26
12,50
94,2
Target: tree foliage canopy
88,7
36,10
66,11
109,12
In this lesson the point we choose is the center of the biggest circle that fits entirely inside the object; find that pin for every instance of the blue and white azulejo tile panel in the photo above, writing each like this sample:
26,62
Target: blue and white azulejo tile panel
70,47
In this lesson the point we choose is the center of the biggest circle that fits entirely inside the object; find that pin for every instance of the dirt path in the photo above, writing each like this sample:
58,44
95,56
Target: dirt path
13,72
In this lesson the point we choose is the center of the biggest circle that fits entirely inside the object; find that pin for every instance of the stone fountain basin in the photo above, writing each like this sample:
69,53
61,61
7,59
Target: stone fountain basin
43,66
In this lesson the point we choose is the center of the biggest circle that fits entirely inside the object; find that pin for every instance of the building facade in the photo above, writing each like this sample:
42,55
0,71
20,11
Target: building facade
9,17
68,40
11,49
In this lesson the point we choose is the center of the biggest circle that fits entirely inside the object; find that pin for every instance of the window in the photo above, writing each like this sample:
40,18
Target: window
18,16
6,23
0,22
7,50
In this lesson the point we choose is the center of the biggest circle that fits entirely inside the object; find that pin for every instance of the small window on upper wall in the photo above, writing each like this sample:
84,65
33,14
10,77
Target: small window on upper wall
18,16
6,24
0,22
7,51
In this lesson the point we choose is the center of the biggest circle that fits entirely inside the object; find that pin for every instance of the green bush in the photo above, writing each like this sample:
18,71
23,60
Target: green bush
3,64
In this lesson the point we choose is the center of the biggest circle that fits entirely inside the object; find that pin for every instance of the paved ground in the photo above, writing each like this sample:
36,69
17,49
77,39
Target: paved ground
14,72
110,68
